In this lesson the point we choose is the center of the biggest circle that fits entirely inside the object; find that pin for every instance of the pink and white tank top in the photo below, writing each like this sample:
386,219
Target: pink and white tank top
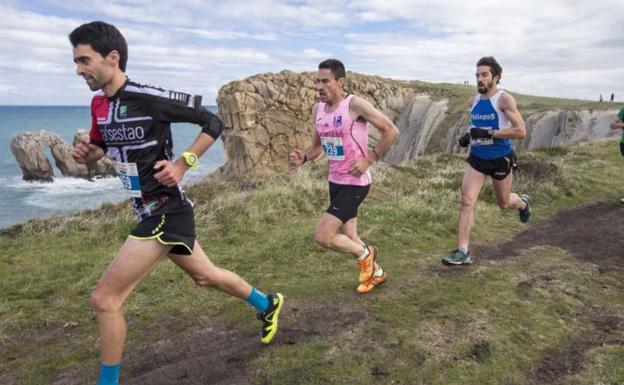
344,140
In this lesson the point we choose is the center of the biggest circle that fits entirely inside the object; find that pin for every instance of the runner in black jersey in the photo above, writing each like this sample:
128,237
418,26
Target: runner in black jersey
131,122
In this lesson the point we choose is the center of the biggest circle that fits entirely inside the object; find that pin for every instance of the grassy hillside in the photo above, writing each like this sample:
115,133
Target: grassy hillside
541,314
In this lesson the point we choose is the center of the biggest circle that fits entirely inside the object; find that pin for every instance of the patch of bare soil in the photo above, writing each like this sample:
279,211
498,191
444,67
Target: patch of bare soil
593,234
218,354
554,367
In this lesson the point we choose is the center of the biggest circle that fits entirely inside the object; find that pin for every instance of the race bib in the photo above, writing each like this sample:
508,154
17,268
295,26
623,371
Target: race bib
129,176
334,149
481,142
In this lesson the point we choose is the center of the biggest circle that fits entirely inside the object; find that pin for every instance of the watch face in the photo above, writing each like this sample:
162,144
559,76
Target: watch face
192,158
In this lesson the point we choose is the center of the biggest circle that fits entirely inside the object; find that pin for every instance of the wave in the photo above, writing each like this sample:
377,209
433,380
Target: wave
65,193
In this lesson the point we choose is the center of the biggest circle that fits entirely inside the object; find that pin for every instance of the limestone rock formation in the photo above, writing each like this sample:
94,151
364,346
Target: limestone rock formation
416,124
267,115
29,151
564,127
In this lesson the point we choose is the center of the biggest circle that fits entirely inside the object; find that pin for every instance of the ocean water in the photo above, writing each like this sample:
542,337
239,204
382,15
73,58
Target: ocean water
21,200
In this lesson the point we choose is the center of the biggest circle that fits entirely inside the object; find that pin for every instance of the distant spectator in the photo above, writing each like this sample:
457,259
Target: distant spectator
600,100
612,97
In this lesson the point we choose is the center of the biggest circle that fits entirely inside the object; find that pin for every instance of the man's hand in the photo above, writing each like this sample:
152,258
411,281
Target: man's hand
296,158
359,166
618,124
480,133
80,152
464,141
171,173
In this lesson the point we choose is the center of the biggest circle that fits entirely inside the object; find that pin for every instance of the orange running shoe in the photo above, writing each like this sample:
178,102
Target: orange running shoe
369,285
367,265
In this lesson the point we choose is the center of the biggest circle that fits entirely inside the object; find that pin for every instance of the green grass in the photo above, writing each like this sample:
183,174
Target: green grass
484,325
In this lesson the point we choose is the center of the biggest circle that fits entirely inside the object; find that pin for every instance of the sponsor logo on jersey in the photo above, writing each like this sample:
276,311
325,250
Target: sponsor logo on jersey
123,111
491,116
122,134
338,121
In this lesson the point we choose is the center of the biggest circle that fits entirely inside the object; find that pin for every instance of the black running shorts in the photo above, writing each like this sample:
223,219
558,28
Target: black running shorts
344,200
175,227
497,168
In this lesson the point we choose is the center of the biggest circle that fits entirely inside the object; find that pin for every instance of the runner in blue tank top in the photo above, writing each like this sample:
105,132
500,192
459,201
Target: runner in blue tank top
495,120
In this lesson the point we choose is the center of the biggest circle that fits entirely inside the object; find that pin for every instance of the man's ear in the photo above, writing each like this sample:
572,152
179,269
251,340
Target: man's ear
113,58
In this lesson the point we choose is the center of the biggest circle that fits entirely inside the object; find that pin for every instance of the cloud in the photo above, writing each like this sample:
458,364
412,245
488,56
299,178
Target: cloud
228,35
558,48
313,53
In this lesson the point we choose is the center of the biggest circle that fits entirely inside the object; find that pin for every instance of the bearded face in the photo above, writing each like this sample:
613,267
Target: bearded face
485,80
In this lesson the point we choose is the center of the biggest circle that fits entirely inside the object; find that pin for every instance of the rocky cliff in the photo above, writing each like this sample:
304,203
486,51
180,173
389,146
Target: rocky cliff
29,151
267,115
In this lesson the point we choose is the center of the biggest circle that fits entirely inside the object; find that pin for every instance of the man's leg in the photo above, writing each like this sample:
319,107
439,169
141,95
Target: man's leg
133,262
379,276
350,230
207,274
472,184
329,236
471,188
504,197
508,200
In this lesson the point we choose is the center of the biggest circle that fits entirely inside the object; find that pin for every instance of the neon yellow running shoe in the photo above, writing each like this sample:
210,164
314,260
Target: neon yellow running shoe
270,317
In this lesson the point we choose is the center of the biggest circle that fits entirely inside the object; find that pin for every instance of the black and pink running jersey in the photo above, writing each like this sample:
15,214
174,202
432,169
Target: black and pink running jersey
134,128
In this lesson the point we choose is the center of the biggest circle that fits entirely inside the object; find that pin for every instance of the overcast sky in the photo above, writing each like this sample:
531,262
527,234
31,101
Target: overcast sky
546,47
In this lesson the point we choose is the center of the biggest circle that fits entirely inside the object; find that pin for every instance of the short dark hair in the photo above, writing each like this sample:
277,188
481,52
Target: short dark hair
103,38
495,68
335,67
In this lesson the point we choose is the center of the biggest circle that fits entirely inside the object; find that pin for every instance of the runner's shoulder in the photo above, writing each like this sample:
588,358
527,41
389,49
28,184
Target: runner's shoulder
506,100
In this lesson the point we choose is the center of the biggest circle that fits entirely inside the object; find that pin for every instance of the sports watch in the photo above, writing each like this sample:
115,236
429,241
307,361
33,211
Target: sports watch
191,159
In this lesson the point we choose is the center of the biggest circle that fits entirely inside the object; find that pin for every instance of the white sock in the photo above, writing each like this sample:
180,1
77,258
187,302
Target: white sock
379,272
364,254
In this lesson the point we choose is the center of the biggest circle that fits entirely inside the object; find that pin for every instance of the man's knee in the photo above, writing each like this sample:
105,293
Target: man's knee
322,238
103,302
468,202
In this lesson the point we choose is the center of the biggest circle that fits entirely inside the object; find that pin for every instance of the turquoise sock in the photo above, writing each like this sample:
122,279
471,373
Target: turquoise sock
258,299
109,374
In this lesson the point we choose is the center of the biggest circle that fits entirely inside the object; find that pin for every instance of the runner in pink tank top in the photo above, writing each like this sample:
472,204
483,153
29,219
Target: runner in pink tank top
341,132
343,140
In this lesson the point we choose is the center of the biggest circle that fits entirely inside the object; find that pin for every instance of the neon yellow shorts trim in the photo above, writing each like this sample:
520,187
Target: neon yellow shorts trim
159,239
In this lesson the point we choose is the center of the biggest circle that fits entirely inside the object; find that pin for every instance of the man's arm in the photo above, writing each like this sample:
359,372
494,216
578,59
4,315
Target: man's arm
297,157
87,152
361,108
507,104
176,107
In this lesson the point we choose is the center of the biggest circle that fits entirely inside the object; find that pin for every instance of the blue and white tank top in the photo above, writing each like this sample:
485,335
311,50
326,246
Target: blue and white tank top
486,114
